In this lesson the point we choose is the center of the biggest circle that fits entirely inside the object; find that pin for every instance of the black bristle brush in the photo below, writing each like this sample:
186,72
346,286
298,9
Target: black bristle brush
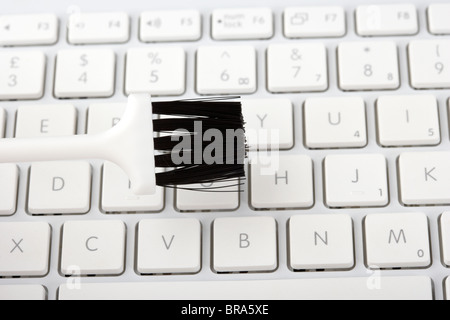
203,143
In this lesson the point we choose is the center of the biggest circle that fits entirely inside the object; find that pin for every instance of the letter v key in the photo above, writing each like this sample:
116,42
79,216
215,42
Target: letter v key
170,243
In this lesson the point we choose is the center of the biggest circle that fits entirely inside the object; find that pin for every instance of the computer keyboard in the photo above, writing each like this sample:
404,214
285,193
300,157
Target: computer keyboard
355,205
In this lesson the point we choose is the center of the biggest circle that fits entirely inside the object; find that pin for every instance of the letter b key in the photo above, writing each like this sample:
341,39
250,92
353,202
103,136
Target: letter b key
245,244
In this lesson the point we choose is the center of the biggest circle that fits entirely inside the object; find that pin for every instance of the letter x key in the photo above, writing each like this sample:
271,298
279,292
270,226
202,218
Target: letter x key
16,245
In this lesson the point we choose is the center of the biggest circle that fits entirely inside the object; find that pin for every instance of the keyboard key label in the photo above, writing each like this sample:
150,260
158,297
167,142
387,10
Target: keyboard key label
245,244
321,242
429,62
397,241
22,75
160,71
235,24
162,26
24,248
368,66
424,178
297,68
93,248
312,22
226,70
169,246
356,181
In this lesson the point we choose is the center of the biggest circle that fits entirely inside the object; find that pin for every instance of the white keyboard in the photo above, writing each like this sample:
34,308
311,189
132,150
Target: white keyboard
356,94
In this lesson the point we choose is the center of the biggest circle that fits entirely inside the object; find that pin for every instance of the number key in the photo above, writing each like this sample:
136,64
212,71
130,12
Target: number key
85,74
429,62
160,71
368,66
297,68
22,75
226,70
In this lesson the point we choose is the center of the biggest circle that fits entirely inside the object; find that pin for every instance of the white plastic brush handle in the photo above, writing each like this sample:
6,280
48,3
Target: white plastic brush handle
129,145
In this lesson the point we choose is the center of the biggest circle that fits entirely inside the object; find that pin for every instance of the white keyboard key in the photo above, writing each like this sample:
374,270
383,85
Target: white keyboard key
281,182
335,123
297,68
227,199
34,121
387,20
22,292
28,30
397,241
25,249
98,28
59,188
2,122
85,73
245,244
429,63
162,26
322,242
242,24
356,181
104,116
444,223
226,70
160,71
22,75
424,178
9,183
314,22
169,246
438,22
368,66
93,248
389,288
408,121
117,196
269,123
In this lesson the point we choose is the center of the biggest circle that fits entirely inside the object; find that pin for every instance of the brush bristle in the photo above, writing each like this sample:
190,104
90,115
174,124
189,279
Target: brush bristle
222,121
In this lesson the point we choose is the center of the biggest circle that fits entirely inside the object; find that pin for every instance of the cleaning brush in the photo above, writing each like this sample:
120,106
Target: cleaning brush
196,142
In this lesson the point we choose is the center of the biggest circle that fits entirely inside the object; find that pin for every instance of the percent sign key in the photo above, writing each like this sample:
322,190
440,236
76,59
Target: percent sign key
154,58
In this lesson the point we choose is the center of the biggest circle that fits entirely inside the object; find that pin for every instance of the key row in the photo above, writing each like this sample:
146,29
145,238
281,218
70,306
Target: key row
275,183
291,68
244,244
226,24
328,123
393,288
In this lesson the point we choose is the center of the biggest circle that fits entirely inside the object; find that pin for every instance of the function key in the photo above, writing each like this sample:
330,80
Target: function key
387,20
166,26
242,24
28,30
312,22
438,21
98,28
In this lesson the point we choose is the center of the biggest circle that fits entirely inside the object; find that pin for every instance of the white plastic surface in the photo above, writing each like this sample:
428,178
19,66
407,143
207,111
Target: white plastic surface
437,271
